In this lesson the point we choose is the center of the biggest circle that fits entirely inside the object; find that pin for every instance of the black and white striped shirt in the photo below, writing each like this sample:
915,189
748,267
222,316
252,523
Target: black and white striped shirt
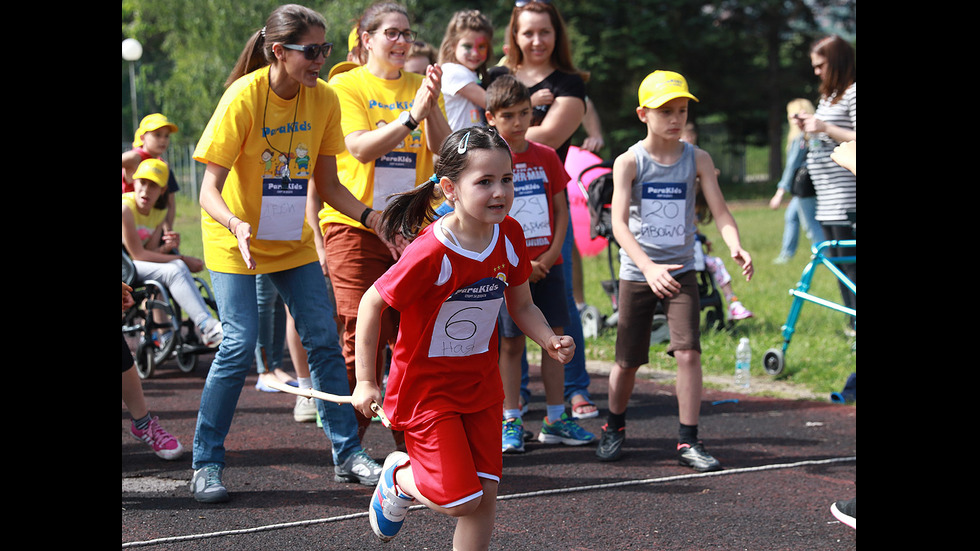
836,186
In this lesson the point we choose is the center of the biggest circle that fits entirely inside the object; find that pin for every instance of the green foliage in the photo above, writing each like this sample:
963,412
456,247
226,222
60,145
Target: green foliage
744,59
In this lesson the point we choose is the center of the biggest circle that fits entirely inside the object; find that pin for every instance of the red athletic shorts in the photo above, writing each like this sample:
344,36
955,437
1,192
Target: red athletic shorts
450,454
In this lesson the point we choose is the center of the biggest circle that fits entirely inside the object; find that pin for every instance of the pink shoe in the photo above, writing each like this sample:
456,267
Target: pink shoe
162,442
738,312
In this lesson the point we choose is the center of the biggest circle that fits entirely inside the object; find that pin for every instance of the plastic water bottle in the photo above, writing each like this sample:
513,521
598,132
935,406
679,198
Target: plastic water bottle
743,359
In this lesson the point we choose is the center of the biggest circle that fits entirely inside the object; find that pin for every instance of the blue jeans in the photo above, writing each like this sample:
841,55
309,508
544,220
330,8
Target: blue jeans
576,377
800,211
271,344
305,293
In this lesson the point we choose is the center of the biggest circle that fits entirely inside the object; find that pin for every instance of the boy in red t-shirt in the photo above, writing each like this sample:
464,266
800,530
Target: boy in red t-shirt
541,207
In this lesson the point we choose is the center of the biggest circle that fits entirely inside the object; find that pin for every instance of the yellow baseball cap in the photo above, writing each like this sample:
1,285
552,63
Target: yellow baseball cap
151,123
341,67
352,39
659,87
153,170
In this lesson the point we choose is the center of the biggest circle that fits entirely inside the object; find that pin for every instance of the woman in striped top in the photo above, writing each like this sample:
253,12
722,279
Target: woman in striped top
834,122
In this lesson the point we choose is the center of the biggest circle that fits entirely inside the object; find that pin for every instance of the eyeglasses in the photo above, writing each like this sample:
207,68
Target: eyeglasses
522,3
392,34
312,51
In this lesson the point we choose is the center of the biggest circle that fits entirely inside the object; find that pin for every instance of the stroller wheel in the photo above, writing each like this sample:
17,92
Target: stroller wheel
773,361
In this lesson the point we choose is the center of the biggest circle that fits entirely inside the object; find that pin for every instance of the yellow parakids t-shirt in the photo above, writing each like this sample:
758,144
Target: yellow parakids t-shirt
369,102
260,138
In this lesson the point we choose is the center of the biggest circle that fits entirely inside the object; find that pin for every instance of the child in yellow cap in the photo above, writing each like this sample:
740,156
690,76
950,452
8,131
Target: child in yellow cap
154,253
150,141
653,222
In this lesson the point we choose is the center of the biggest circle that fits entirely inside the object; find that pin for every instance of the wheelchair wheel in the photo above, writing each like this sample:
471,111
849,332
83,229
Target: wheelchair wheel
773,361
145,359
185,350
155,329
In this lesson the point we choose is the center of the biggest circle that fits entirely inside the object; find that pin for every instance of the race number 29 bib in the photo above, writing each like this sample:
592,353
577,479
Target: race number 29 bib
467,320
662,209
283,209
531,208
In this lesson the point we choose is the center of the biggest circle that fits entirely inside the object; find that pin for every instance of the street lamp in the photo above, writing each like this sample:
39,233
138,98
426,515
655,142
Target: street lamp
132,50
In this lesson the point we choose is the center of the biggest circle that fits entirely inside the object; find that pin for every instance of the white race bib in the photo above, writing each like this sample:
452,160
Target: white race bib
393,173
531,208
283,209
467,320
662,213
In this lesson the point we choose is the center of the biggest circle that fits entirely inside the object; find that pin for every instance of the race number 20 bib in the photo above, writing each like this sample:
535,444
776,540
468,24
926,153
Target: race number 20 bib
467,320
662,209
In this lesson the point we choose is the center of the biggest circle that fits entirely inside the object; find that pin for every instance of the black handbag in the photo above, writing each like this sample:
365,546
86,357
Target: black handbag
802,184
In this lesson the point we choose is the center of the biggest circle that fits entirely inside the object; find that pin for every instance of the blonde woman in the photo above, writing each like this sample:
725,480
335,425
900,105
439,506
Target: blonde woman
802,207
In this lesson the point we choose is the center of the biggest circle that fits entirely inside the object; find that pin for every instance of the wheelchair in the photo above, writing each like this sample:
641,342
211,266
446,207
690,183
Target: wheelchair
154,316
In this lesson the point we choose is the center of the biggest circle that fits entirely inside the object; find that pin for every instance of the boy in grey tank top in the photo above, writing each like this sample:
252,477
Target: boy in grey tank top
653,222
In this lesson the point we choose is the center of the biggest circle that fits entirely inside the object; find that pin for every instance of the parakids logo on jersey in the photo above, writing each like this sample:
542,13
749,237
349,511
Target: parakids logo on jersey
665,191
393,106
286,128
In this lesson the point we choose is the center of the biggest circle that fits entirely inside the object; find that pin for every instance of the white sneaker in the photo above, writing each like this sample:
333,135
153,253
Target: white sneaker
305,410
213,334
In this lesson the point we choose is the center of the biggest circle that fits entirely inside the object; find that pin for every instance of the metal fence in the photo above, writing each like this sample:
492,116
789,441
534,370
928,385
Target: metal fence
187,171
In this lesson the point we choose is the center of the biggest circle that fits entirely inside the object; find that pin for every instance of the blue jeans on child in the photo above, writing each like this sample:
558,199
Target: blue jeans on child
305,293
576,377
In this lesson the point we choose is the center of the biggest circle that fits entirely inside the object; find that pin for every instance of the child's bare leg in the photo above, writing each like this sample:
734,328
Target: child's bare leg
473,530
621,382
475,517
688,386
132,393
553,376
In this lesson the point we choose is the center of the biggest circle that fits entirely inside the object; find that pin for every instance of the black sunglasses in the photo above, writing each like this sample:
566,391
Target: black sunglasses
312,51
522,3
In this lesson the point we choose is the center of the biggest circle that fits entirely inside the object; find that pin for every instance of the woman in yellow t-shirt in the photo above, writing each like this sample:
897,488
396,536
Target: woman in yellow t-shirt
394,121
253,202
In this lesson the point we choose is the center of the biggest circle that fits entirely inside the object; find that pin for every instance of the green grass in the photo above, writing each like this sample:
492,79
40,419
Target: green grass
819,357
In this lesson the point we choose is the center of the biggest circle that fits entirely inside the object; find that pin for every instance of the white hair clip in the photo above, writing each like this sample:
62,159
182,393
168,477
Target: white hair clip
463,144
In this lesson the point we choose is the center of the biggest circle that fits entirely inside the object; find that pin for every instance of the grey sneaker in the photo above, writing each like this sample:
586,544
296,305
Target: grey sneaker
206,485
360,468
305,410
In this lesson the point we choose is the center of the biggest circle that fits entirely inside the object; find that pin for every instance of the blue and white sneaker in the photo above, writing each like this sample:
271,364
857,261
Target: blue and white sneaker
388,505
512,439
564,431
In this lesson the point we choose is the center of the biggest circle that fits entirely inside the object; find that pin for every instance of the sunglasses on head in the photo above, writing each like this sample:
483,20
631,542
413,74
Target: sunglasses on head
312,51
522,3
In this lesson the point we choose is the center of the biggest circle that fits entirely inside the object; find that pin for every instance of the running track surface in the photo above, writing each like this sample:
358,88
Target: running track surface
785,462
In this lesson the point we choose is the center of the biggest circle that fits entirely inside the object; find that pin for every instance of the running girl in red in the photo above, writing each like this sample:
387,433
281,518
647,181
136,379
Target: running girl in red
444,389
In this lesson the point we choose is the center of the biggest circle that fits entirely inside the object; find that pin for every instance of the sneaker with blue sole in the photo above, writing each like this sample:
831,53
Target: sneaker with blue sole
388,505
564,431
512,438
